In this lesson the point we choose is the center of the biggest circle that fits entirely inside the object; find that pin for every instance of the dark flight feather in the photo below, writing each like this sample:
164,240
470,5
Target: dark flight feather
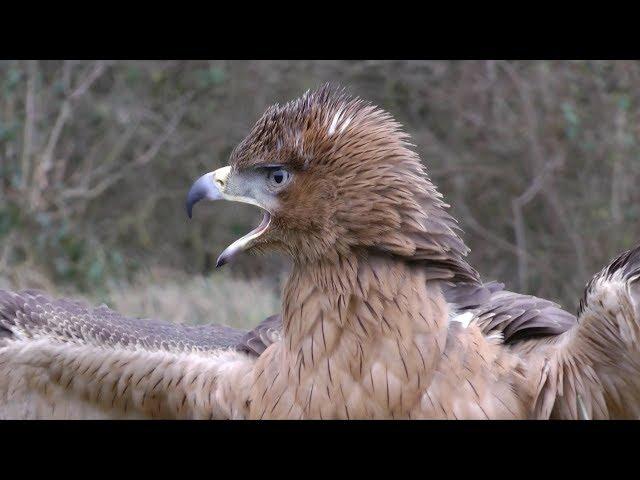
32,314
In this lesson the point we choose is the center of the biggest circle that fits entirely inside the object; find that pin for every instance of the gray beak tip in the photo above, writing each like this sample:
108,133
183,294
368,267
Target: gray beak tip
222,260
200,189
193,197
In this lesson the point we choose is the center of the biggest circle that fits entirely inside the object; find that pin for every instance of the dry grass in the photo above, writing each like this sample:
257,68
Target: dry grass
173,296
217,298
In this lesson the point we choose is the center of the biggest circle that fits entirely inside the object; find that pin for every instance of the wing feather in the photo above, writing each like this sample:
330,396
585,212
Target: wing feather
64,359
518,317
595,366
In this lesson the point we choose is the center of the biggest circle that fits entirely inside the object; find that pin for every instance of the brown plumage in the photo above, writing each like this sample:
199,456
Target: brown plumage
382,316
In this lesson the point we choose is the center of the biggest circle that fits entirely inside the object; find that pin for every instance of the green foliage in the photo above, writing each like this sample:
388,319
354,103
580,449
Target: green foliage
12,79
9,218
211,76
110,204
8,132
571,119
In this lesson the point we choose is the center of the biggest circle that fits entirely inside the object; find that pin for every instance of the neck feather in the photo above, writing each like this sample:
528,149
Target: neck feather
368,296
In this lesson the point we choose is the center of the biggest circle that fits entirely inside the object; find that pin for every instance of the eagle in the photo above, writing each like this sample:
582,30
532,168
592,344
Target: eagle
382,316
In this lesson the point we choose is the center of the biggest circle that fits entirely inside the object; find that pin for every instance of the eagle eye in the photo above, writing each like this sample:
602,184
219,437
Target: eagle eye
278,177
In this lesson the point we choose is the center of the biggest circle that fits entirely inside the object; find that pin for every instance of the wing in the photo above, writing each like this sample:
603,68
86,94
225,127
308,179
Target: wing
520,317
63,359
267,332
593,371
469,296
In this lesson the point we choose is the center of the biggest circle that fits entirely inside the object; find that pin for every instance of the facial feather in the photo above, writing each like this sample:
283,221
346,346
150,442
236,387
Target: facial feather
356,185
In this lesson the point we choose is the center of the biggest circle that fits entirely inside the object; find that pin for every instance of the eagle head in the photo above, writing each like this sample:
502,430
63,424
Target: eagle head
333,174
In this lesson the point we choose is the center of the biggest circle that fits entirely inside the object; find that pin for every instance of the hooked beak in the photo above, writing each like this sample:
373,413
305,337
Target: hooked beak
208,186
212,186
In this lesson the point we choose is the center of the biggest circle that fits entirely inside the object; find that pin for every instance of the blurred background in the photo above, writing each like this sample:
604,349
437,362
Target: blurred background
540,161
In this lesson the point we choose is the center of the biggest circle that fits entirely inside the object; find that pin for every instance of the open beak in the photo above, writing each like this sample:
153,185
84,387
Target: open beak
213,186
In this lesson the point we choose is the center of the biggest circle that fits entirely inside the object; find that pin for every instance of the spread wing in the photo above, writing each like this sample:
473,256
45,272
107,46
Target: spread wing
593,371
516,316
61,358
31,314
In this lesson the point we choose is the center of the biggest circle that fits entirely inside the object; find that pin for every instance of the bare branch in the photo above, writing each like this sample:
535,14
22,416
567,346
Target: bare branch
107,180
97,71
28,133
540,184
517,204
42,172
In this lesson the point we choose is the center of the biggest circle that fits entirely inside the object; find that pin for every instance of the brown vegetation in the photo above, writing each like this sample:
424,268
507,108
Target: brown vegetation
538,159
